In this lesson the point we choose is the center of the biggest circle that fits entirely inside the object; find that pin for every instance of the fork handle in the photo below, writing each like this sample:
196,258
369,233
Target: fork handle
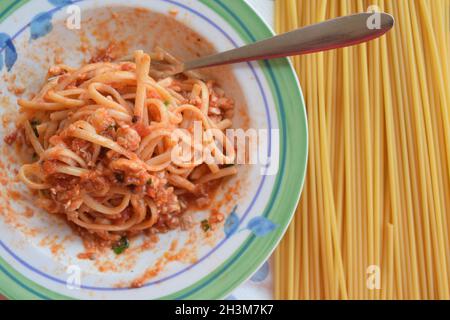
331,34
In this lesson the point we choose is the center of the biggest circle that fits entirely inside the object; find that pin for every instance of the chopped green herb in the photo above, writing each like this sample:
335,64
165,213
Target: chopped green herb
149,182
121,245
205,225
166,103
34,123
112,127
34,157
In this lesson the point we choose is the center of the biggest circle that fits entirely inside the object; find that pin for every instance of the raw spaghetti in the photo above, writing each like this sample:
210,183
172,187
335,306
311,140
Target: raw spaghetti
374,218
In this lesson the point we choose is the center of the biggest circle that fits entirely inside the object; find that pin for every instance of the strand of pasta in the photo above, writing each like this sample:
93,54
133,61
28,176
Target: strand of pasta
358,223
423,154
416,161
403,153
437,221
439,12
378,185
331,232
314,243
392,168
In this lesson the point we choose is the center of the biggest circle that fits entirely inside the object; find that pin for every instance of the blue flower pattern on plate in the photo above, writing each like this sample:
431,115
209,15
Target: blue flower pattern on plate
41,25
8,51
261,274
260,226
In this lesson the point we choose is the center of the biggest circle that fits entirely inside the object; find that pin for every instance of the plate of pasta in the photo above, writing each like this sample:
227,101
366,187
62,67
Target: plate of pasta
120,180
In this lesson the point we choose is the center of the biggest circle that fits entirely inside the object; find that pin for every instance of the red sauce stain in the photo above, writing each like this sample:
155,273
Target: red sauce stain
28,212
187,253
14,195
56,248
86,256
54,243
173,245
173,12
107,266
149,273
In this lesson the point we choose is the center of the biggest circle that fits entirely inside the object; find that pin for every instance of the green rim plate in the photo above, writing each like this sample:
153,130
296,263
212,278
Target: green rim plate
293,145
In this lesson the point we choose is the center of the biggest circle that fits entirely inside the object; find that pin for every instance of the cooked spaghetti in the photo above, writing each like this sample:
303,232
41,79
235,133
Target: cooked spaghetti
101,139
